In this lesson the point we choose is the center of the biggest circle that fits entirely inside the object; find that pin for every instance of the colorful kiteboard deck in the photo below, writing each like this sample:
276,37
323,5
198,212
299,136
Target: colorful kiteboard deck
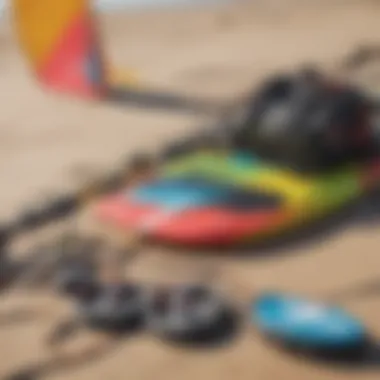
217,198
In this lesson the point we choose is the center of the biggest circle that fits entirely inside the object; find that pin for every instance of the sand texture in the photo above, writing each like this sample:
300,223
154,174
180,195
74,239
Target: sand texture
214,53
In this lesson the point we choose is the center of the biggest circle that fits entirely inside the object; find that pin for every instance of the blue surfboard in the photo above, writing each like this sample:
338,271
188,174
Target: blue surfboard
301,322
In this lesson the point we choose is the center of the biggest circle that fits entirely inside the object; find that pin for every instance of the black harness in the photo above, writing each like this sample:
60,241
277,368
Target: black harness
306,123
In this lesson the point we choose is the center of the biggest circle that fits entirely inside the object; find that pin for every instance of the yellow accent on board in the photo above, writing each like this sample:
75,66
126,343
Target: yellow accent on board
294,188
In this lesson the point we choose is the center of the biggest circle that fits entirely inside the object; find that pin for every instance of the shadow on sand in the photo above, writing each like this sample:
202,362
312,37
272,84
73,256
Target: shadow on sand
163,101
17,316
61,362
361,358
43,261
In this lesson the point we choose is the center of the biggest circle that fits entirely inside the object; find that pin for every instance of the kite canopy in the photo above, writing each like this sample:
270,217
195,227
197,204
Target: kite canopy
61,42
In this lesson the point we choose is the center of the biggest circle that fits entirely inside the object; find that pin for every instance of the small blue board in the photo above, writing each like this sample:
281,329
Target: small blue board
307,324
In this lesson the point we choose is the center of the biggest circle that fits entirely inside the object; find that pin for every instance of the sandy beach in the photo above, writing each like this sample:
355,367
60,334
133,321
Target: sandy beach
216,53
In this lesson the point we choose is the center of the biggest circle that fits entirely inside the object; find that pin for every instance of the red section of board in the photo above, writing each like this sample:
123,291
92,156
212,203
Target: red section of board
69,65
200,226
